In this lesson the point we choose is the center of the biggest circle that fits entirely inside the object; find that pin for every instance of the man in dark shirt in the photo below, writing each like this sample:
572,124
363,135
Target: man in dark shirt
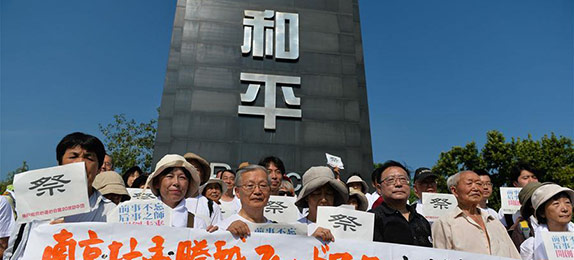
396,221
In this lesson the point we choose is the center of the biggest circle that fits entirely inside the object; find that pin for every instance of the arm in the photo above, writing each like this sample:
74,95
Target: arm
323,234
239,229
3,245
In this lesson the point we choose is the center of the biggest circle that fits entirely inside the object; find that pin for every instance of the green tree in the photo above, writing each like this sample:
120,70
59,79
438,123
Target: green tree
552,157
10,177
130,143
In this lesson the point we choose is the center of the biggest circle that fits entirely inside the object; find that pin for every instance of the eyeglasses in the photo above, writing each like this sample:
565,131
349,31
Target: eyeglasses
251,187
392,179
487,184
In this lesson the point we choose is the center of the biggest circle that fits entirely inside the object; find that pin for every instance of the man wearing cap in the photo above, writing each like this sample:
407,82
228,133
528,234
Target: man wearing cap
112,186
467,228
199,204
395,220
425,181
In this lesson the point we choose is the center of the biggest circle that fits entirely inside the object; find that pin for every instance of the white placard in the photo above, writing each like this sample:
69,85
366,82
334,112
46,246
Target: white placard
347,223
299,229
141,194
437,204
281,209
334,161
51,193
559,245
509,200
141,212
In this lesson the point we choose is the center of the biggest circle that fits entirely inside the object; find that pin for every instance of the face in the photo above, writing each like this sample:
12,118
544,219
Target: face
254,190
425,185
173,187
486,186
468,190
276,176
107,165
394,184
229,179
324,196
353,201
525,178
78,154
558,211
213,191
355,186
133,177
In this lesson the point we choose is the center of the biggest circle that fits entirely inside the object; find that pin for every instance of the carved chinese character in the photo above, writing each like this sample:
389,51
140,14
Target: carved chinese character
266,31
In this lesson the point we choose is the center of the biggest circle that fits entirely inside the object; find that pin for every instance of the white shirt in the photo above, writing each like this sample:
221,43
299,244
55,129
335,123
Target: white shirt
371,198
311,226
223,225
198,206
6,218
491,212
179,217
503,219
533,247
229,208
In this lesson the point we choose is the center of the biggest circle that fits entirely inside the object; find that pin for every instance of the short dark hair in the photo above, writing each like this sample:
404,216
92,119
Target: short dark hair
540,210
275,160
129,172
139,181
518,168
89,143
390,163
222,171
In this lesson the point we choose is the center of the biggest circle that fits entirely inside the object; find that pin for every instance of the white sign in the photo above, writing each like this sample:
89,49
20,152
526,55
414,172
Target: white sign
141,194
347,223
51,193
281,209
334,161
118,241
141,212
299,229
509,200
437,204
559,245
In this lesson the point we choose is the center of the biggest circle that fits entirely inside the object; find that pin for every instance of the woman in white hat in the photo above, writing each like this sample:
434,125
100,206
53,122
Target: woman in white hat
173,180
553,209
320,188
213,189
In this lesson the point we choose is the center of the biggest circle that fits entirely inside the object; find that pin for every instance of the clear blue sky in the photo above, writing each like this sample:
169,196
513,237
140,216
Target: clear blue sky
439,73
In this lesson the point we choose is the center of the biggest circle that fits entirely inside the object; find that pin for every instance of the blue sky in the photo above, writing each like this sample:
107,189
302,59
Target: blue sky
439,73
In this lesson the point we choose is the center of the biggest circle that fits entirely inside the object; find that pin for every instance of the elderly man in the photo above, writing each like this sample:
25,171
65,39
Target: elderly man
425,181
395,220
252,187
468,228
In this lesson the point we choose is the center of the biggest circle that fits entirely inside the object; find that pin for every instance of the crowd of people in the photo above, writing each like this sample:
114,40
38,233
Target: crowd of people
228,200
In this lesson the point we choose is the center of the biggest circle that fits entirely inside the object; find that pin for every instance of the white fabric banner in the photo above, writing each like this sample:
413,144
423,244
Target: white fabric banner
347,223
437,204
281,209
51,193
141,212
559,245
509,200
119,241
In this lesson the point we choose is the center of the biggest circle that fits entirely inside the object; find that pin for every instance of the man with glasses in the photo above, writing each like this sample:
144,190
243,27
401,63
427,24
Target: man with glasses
252,187
396,221
486,192
425,181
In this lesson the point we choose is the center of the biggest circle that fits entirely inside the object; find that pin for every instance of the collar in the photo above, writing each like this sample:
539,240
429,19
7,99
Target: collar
389,211
457,212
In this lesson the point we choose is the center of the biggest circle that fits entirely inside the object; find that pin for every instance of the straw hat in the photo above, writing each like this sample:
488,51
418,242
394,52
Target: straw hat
356,178
175,160
363,202
217,181
205,169
110,182
315,178
546,192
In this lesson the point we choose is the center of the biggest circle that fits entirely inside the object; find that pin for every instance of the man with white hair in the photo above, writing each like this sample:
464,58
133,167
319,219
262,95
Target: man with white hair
468,228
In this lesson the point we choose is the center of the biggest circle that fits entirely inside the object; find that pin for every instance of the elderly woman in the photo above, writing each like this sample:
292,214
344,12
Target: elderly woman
358,200
320,188
553,210
173,180
213,189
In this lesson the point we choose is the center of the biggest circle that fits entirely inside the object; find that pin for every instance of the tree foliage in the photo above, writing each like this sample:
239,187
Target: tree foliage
10,177
129,143
552,157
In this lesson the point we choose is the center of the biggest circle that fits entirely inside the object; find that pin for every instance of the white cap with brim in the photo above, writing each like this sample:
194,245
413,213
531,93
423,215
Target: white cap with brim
175,160
315,178
217,181
546,192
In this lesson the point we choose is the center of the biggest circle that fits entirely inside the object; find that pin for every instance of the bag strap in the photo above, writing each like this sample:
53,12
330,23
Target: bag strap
190,218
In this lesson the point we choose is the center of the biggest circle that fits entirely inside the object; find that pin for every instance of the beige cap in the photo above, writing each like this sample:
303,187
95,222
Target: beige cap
204,164
363,201
210,181
110,182
546,192
356,178
315,178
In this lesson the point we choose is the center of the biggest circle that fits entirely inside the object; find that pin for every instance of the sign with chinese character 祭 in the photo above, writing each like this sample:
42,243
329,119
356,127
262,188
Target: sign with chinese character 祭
509,200
437,204
141,212
90,241
51,193
299,229
347,223
141,194
281,209
334,161
559,245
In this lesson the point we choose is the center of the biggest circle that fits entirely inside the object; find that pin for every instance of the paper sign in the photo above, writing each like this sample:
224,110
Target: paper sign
559,245
141,194
334,161
437,204
509,200
281,209
141,212
51,193
347,223
299,229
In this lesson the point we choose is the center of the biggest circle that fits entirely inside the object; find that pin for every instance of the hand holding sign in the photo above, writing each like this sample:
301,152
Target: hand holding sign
334,161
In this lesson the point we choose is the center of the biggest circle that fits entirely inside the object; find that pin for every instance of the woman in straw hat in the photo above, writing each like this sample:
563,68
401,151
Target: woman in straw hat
213,189
553,209
173,180
320,188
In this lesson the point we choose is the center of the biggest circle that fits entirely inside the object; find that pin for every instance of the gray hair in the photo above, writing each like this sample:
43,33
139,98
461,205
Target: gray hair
454,179
250,168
